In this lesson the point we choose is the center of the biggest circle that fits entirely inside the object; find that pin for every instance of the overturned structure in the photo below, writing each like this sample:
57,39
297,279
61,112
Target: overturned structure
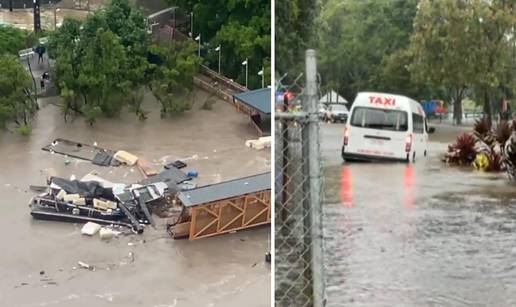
223,207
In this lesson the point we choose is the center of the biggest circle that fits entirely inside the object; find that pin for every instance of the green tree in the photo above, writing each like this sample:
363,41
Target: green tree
461,45
297,25
495,43
172,80
241,27
13,40
101,61
358,44
17,104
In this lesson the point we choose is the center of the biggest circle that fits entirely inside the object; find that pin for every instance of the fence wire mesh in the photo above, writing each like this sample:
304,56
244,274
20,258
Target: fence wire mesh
298,233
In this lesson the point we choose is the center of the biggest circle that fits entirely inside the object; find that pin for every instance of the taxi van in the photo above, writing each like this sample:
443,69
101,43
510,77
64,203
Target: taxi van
385,127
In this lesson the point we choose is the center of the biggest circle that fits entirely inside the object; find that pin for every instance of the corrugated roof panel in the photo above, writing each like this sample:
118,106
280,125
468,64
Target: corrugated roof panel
257,99
225,190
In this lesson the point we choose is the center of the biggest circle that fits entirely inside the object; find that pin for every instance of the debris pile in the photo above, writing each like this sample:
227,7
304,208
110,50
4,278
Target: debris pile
109,209
96,201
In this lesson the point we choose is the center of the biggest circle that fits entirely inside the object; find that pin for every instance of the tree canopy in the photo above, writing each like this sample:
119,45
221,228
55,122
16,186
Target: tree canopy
17,103
424,49
103,63
13,40
296,30
16,100
243,30
463,46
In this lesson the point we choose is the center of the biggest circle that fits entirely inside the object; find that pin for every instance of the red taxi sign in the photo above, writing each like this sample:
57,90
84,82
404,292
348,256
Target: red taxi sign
383,101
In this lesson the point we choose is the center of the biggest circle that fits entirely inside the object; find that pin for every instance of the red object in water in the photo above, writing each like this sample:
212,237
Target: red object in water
346,187
409,186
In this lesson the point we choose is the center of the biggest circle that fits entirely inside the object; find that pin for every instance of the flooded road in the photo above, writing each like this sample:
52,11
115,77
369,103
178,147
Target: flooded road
39,258
417,235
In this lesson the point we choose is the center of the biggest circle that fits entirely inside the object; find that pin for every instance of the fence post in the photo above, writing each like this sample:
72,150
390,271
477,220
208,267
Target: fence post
314,164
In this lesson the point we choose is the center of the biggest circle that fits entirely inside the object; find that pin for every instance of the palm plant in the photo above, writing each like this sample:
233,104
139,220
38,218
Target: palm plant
463,151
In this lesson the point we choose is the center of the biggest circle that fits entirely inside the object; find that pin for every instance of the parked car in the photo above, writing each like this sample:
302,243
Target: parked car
337,112
321,110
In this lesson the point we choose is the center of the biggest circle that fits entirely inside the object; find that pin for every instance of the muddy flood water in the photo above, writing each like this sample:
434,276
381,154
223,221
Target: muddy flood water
39,258
417,235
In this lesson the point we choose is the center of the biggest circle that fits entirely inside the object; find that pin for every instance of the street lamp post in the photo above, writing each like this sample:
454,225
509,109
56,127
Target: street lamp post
55,18
37,15
198,38
219,50
246,63
191,24
261,73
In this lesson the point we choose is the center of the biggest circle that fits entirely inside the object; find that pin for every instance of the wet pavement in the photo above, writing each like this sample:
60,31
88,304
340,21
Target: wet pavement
422,234
147,270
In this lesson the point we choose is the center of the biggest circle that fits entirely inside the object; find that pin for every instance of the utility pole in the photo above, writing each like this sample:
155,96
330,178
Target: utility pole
246,63
198,38
37,16
191,24
219,50
55,18
313,207
261,73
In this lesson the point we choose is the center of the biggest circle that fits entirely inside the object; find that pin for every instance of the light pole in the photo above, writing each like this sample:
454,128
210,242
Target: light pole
260,73
191,24
219,50
246,63
198,38
55,17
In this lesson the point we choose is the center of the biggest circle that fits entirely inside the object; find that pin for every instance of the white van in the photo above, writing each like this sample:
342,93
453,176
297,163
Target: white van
385,127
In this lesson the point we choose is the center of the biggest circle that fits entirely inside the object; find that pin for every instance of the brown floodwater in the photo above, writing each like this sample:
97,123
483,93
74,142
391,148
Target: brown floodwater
138,270
423,234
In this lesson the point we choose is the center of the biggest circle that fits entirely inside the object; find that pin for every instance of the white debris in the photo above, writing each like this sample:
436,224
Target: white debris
104,204
259,144
90,228
106,233
84,265
70,197
125,157
61,195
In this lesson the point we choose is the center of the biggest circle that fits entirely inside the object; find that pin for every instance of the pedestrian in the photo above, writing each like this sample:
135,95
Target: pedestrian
42,83
40,50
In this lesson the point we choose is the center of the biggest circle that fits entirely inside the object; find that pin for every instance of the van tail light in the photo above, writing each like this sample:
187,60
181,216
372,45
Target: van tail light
346,135
408,142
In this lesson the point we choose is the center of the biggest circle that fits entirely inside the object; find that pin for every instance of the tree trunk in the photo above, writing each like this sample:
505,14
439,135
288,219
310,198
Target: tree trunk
488,111
457,104
457,111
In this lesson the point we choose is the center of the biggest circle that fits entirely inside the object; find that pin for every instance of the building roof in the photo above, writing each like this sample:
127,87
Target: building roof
225,190
332,97
259,100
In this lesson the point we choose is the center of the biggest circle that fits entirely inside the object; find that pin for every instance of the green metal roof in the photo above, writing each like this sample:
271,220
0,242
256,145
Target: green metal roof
225,190
259,100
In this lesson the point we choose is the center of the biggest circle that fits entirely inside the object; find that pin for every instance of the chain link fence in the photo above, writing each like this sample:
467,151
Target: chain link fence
299,270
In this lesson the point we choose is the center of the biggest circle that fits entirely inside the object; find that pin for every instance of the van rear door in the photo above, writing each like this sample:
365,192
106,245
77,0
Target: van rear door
420,135
379,132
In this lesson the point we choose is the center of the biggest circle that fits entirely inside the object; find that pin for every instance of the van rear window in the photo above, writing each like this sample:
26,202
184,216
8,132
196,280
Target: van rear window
382,119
